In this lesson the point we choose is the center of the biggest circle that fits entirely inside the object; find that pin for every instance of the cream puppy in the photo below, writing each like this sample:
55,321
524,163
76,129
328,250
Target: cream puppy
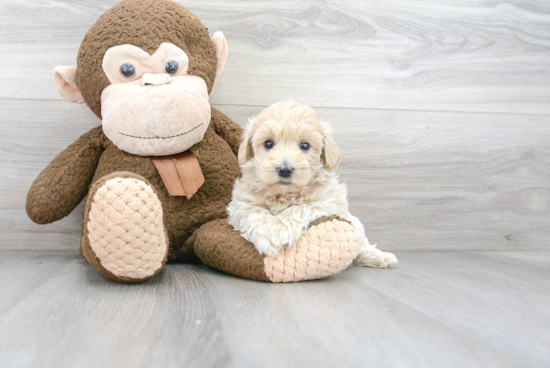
288,160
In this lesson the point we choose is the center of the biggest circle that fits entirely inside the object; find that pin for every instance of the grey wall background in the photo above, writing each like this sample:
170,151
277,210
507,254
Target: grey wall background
441,109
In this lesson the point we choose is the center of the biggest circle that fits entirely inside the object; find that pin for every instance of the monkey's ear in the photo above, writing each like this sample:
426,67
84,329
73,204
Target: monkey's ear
220,43
65,79
330,156
245,150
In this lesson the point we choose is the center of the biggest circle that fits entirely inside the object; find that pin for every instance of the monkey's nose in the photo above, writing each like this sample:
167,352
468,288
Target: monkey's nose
284,171
150,79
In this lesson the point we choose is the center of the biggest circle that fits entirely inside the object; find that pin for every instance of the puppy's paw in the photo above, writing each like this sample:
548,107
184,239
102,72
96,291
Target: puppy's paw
372,257
283,233
266,247
289,227
278,237
272,251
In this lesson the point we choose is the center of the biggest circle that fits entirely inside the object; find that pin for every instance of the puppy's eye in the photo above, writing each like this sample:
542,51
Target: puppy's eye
171,67
268,145
127,70
304,146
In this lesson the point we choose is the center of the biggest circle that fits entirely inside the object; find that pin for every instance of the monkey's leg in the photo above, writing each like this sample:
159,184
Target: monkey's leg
123,235
328,247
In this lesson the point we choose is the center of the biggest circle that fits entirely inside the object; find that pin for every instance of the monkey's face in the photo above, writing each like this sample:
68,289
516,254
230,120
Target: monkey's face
153,107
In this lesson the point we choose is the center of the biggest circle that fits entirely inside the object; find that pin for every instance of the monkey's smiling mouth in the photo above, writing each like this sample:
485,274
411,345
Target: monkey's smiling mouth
157,137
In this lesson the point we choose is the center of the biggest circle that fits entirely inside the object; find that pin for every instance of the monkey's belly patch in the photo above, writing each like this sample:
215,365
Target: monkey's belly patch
125,228
324,250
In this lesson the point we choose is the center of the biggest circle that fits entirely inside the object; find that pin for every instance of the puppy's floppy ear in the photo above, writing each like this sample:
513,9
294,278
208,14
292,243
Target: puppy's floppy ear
330,155
245,150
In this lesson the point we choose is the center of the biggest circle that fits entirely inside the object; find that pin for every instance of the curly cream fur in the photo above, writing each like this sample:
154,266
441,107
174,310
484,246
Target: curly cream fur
271,211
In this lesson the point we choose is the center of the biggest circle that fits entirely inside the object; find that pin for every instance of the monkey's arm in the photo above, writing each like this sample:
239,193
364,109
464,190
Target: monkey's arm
226,128
64,182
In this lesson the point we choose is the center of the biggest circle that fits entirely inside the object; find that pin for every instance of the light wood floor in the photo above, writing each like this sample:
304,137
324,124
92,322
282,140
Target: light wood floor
435,309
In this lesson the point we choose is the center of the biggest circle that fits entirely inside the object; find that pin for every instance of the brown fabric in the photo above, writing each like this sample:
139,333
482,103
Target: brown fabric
226,128
219,246
62,185
145,24
86,250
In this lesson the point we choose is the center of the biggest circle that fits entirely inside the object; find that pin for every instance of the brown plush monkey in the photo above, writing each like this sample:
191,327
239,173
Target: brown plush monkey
160,170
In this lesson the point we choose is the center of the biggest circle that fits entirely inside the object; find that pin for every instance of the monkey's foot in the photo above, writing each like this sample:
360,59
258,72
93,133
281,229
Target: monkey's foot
328,247
123,231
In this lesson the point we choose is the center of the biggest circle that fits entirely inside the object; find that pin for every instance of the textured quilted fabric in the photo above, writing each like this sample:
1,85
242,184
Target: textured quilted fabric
327,248
125,228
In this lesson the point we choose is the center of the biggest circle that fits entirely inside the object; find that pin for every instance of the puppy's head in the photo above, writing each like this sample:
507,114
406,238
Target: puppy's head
288,146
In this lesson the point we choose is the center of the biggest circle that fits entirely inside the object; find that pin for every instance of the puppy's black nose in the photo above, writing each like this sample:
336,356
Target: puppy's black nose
284,171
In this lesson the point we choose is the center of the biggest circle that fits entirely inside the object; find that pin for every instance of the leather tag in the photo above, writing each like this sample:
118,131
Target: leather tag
189,172
181,174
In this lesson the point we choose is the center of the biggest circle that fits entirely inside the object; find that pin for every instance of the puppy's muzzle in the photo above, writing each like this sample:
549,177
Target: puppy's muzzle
284,171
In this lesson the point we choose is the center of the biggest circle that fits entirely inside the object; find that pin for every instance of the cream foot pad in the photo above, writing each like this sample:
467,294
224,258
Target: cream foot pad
125,228
325,249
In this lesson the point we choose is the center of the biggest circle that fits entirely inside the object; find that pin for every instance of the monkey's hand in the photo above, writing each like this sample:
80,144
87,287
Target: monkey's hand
64,182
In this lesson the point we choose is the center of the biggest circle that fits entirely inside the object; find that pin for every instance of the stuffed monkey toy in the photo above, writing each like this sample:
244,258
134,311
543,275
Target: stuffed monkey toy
159,170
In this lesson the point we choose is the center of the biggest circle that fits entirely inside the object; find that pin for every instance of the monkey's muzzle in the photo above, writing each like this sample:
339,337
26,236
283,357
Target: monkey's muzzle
156,115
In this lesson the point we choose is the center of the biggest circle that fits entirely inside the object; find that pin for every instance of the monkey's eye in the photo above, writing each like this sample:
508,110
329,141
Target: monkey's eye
304,146
127,70
171,67
268,145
